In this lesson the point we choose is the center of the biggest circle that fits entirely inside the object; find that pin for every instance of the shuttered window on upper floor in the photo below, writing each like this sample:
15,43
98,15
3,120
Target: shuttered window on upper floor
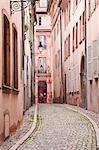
6,52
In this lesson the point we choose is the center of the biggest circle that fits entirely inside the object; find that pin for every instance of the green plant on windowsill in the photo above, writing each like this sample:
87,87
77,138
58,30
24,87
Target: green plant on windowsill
30,42
26,27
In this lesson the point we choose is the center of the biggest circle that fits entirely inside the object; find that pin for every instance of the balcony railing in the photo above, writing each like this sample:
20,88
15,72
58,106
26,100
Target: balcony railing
42,71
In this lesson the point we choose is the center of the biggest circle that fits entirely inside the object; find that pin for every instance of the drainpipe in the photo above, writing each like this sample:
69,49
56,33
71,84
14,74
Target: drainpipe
62,87
85,62
23,51
33,65
32,72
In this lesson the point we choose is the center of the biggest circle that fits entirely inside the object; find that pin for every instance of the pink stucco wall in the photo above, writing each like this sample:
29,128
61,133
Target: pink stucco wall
11,104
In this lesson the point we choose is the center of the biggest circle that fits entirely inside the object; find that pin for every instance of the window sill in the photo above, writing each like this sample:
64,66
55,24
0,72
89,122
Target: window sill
6,89
15,91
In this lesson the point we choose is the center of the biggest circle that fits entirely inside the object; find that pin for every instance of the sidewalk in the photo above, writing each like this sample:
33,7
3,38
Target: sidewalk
25,127
90,114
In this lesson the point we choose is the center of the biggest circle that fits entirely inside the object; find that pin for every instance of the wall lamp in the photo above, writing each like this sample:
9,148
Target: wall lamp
18,5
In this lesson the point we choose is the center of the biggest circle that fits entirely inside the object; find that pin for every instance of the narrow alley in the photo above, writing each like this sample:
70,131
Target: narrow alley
49,74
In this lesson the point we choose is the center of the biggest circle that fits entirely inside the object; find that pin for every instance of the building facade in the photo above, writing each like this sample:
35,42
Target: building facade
56,51
72,31
17,39
73,20
11,84
93,55
29,20
43,81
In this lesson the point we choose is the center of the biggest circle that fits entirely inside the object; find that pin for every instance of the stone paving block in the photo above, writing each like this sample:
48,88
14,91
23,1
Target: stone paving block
61,129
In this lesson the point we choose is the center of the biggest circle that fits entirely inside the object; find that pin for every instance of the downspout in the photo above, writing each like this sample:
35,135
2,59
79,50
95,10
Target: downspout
33,65
23,51
62,89
85,62
32,72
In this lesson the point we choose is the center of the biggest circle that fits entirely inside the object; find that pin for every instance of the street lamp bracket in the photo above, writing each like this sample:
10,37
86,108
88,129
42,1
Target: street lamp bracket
19,5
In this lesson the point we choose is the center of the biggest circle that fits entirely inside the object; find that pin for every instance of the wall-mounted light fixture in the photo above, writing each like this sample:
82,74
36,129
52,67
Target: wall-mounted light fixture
18,5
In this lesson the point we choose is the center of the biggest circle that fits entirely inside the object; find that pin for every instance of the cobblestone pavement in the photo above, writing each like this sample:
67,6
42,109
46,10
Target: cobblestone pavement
92,115
25,127
61,129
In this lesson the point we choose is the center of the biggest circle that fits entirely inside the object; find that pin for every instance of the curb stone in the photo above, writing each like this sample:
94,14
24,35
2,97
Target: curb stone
93,123
21,141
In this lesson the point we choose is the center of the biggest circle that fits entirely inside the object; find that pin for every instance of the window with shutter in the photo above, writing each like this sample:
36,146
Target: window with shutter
76,35
89,63
95,59
73,38
92,5
71,79
42,41
67,83
43,3
15,59
77,77
6,52
80,29
44,21
42,64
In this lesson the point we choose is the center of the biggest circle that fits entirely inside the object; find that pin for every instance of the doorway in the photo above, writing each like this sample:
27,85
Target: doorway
82,104
42,91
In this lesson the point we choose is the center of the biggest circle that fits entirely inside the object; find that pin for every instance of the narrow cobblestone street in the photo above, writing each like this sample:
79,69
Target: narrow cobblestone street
61,129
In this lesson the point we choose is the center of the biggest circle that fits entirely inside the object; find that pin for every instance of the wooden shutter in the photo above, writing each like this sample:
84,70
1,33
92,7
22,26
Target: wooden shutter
89,63
67,83
72,80
77,77
95,59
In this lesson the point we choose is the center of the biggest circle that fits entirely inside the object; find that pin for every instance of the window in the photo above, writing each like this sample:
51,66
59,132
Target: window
15,59
6,52
76,2
65,18
54,34
80,29
92,6
59,58
42,21
69,45
69,10
56,61
42,41
66,47
65,50
76,35
42,65
83,25
73,37
43,3
57,28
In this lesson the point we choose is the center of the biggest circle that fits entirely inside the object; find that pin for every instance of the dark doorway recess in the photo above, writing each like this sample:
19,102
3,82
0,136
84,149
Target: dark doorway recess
42,91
